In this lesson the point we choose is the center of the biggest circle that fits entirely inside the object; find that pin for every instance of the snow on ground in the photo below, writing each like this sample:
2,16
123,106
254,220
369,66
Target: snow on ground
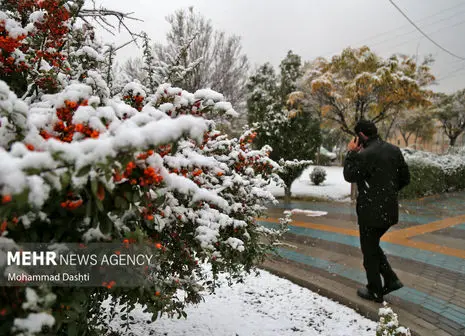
264,305
309,213
333,188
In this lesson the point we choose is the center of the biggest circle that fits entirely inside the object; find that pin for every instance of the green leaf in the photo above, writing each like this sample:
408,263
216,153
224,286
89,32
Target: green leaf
56,156
94,186
106,225
65,180
121,203
108,174
88,209
174,147
84,171
99,205
33,171
21,199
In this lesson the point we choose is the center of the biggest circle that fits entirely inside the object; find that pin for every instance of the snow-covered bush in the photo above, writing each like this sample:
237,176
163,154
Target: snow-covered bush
318,175
388,324
290,170
87,173
81,166
433,173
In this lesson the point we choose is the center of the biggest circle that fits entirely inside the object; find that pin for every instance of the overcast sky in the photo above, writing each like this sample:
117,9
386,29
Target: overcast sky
312,28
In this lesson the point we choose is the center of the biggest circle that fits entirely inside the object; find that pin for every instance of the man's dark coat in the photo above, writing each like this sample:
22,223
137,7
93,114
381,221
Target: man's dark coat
380,172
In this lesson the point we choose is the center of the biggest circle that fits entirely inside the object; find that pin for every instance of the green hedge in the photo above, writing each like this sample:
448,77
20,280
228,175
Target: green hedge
433,174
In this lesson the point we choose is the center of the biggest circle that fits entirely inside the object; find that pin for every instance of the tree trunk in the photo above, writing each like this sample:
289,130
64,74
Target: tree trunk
405,137
452,141
287,193
388,132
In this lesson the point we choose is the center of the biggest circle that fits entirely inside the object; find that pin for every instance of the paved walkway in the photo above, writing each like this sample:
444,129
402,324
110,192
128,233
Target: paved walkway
426,249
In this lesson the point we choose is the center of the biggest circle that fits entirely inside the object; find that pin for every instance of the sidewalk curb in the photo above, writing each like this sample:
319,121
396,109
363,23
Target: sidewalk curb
333,290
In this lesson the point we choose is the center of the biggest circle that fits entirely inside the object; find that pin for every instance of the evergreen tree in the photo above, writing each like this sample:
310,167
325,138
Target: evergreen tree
262,90
283,119
148,66
291,71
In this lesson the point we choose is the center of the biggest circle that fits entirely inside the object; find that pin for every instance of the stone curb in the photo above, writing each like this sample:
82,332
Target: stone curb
345,295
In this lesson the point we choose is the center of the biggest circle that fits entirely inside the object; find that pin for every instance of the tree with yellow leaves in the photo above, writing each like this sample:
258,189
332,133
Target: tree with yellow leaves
358,84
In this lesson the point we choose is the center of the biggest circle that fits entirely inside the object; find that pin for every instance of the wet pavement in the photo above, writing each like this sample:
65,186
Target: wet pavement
426,249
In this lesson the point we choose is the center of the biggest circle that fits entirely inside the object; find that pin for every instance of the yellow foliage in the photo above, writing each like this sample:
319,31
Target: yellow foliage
323,86
295,97
293,113
325,109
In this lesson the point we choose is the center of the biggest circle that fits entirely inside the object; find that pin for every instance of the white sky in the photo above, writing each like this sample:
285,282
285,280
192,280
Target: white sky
311,28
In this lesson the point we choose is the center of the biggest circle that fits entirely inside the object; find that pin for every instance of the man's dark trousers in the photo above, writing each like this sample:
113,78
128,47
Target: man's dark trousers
374,260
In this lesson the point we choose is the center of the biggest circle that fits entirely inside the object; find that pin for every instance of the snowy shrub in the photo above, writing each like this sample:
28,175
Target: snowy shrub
388,324
80,166
433,174
318,175
324,160
290,170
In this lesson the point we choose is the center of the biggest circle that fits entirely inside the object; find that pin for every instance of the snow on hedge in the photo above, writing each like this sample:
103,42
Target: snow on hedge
447,162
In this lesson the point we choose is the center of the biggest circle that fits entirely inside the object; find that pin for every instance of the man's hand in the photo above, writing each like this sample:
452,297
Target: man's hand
354,145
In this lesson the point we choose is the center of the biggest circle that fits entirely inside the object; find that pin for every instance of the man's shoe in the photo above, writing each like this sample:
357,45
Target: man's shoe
393,286
366,294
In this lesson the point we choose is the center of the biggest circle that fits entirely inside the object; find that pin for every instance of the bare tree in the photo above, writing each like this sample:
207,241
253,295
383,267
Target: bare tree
133,68
219,62
151,73
100,15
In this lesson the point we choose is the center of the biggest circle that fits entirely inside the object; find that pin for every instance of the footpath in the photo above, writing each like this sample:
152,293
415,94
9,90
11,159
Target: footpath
426,249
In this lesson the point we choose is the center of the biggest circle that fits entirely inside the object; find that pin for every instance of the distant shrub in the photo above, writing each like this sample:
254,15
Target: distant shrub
326,157
318,175
324,160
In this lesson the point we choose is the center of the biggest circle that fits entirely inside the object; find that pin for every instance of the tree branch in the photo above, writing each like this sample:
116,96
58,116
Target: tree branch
100,16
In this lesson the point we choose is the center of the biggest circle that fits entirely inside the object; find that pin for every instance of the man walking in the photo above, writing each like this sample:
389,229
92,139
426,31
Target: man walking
380,171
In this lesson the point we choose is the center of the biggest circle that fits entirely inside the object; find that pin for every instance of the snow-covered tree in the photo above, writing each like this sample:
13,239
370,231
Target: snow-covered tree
358,84
131,70
282,118
450,111
262,94
80,165
222,67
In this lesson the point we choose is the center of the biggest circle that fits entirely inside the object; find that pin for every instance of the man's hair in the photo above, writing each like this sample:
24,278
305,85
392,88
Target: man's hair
367,127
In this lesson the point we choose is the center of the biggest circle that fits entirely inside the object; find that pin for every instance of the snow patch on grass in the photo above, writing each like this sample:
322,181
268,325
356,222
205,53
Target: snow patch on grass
263,305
